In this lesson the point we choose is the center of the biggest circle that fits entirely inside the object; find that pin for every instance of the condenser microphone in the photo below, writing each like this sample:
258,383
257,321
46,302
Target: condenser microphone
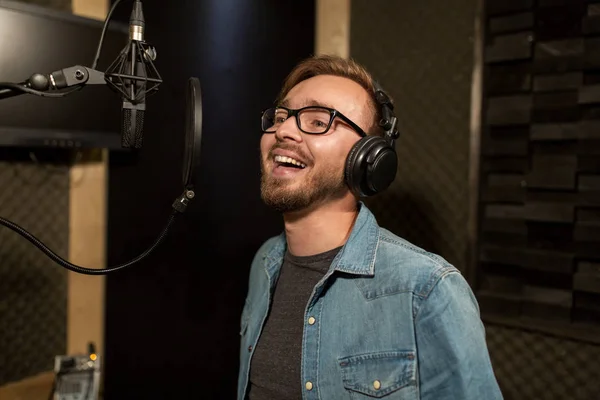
134,75
132,113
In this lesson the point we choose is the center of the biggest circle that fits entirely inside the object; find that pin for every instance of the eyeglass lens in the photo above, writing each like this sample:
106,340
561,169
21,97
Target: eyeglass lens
310,120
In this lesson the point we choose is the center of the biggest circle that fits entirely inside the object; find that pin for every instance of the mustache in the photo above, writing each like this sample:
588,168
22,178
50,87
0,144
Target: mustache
290,147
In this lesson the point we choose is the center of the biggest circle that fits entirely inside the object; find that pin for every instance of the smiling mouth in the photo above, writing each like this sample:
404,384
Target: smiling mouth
289,162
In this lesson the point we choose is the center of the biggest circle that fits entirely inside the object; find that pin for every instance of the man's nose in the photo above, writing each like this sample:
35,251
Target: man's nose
289,130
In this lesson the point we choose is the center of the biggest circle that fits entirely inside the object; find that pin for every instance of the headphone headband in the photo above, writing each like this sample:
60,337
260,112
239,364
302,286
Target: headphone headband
372,162
388,120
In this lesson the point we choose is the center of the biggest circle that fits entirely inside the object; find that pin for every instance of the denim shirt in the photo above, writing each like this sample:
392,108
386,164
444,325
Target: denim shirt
388,320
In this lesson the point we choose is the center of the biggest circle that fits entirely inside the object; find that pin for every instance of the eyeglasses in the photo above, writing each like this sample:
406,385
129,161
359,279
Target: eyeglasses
314,120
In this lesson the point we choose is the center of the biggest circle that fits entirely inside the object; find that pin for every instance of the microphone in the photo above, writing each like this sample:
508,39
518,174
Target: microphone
132,75
135,77
132,111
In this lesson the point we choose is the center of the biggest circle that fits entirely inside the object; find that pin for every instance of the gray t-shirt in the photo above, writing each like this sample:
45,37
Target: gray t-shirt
275,367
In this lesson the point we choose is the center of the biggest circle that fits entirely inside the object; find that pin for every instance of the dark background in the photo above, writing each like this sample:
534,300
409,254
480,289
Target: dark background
173,321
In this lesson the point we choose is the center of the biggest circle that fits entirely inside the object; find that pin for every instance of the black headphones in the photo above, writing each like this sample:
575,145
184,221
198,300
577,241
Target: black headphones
372,162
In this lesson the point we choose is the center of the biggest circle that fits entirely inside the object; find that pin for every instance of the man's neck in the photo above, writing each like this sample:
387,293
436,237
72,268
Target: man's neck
320,229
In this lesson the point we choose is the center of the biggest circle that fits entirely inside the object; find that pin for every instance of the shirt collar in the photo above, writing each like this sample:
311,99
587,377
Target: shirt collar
357,256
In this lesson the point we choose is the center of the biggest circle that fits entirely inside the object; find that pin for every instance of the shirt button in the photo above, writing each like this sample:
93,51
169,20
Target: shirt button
309,385
249,348
311,320
376,385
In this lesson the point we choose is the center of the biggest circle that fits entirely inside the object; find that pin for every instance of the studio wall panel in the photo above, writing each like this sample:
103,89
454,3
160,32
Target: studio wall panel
422,53
544,373
33,289
559,189
537,284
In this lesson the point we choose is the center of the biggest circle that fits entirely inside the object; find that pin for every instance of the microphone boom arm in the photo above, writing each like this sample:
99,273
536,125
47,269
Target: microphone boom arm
76,77
52,85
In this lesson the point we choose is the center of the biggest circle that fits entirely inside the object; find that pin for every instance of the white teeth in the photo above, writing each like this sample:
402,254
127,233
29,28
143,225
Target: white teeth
288,160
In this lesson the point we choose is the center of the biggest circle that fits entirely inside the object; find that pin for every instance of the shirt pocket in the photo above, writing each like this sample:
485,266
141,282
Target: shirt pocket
380,374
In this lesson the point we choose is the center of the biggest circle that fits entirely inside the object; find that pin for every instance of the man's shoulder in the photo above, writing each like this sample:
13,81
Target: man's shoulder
269,248
410,267
270,244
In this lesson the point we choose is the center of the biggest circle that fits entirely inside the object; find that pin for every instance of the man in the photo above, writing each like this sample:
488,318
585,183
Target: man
338,307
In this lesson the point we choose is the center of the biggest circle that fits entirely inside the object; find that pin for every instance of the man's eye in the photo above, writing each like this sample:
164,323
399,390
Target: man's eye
280,117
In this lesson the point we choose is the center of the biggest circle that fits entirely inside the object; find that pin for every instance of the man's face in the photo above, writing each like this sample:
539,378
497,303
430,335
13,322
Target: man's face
321,158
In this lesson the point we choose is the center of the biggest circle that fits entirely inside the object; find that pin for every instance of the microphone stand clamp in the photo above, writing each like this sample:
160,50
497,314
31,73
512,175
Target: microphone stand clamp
181,203
76,75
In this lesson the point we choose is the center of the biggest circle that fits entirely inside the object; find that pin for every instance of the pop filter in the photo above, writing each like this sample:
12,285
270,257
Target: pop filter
193,133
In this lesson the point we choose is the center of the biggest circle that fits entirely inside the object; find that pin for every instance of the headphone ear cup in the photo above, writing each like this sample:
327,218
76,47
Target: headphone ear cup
382,168
353,172
370,166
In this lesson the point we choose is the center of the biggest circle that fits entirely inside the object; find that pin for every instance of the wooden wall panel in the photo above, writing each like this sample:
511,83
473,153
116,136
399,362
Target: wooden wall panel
87,231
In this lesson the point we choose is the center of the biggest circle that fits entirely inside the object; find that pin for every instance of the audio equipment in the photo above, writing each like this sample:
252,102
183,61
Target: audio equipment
132,75
372,162
193,139
193,134
76,377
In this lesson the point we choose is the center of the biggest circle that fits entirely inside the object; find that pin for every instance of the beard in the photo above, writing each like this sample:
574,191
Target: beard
287,195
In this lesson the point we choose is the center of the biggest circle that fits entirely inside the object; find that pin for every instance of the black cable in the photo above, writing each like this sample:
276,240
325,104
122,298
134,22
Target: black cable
75,268
104,29
22,88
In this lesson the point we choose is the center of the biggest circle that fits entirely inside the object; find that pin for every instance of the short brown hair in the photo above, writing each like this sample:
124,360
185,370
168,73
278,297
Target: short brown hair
338,66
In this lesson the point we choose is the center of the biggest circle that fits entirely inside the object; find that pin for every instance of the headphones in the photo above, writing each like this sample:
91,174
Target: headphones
372,162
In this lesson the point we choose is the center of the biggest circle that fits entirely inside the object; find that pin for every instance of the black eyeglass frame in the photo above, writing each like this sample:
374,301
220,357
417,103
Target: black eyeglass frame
333,113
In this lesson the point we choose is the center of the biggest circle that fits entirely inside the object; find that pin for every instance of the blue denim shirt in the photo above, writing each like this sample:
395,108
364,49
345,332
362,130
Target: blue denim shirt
395,322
